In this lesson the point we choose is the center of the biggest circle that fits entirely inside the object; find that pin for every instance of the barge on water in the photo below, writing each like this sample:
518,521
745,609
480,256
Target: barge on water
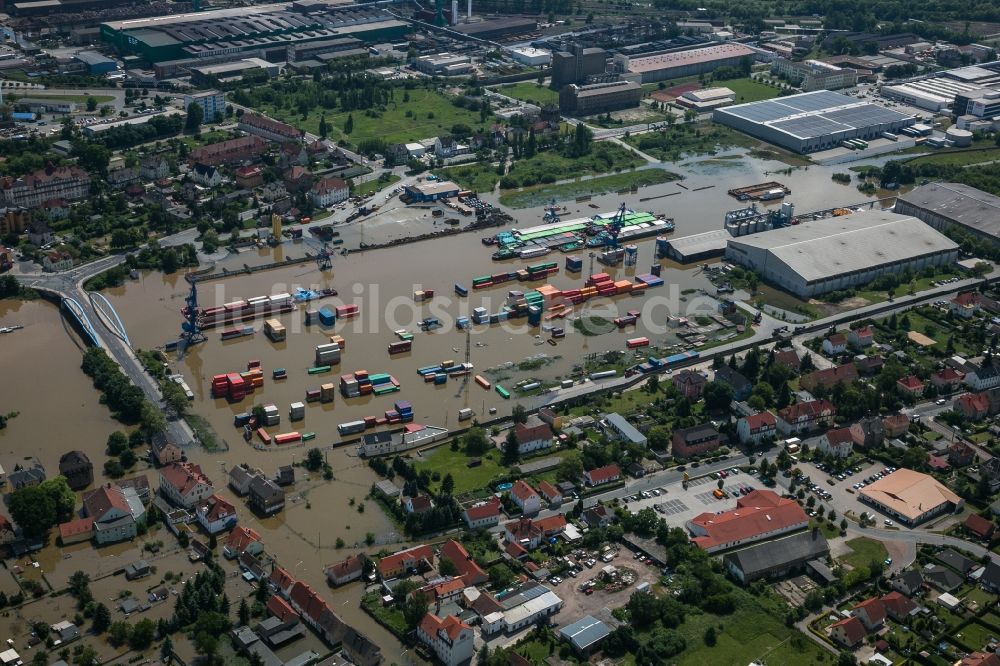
243,310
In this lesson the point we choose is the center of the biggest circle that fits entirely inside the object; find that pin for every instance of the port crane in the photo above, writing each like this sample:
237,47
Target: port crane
324,258
468,359
191,333
614,228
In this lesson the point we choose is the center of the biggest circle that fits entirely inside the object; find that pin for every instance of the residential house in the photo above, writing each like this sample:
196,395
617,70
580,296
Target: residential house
65,632
417,504
898,606
896,425
33,189
941,577
871,612
216,515
788,358
869,432
598,516
838,443
961,454
281,581
983,377
207,175
298,179
185,485
911,384
483,515
694,440
452,640
835,345
908,582
77,468
165,452
249,176
860,338
119,179
842,374
981,528
24,477
525,497
447,146
292,153
848,632
138,570
229,152
619,427
328,191
154,168
964,305
347,570
529,533
285,475
532,435
550,494
741,385
242,540
466,567
266,497
57,261
272,130
957,561
39,233
757,428
406,560
990,580
75,531
691,384
947,379
240,477
972,406
980,659
803,417
116,513
602,475
869,365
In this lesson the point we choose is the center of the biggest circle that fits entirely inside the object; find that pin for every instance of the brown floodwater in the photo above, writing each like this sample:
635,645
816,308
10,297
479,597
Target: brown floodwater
60,410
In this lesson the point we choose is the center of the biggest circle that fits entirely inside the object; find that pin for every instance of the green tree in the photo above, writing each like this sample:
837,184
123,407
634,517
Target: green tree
323,129
511,448
447,568
102,619
167,650
91,103
195,115
447,485
119,633
37,508
174,397
349,124
519,414
710,637
500,576
244,612
79,587
314,460
142,634
476,442
718,396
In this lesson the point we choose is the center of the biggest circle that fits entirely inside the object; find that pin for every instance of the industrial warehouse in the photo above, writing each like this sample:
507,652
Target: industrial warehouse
665,66
841,252
812,121
263,31
943,205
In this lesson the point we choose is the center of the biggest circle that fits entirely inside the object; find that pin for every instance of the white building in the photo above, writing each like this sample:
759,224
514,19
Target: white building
484,515
983,378
329,191
526,498
212,103
756,428
532,610
451,639
532,57
185,485
838,443
216,515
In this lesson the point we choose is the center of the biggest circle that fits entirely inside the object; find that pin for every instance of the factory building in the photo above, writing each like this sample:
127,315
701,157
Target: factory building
946,205
666,66
232,71
532,57
96,63
443,64
309,50
576,100
813,75
497,28
813,121
263,31
983,103
939,91
706,99
577,64
841,252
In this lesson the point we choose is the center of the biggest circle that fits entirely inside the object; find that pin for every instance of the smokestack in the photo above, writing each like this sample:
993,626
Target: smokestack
454,12
468,14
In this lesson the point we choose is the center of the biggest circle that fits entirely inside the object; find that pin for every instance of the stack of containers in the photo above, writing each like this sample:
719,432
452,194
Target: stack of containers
254,379
242,419
220,386
326,317
480,315
539,271
297,411
271,415
623,286
328,354
534,315
649,280
400,346
350,386
347,311
274,330
313,395
237,387
312,316
339,341
574,264
419,296
482,282
383,383
326,392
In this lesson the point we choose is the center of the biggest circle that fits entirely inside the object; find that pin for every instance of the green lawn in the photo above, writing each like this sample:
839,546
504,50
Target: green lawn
531,92
748,90
538,195
980,596
958,157
991,618
750,633
431,114
689,140
388,615
478,176
864,551
367,188
974,636
443,460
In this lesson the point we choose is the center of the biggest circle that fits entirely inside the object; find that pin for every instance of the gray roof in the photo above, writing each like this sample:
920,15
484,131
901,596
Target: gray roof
961,204
840,245
763,556
957,561
585,632
625,429
942,577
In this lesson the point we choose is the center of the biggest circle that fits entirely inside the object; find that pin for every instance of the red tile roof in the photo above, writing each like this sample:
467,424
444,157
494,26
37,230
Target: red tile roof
980,659
451,626
548,490
874,608
853,629
522,491
949,374
307,601
240,538
839,435
980,526
972,403
515,550
911,383
346,567
184,476
761,420
218,508
325,185
99,502
281,578
965,298
865,331
394,562
280,608
488,509
812,410
837,339
470,572
270,125
898,604
604,474
76,527
760,512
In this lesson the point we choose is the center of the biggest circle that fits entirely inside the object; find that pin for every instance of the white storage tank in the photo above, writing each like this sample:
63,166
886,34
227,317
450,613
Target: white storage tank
960,137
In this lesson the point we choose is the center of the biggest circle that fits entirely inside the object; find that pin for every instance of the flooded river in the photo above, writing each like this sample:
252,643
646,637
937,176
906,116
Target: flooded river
60,410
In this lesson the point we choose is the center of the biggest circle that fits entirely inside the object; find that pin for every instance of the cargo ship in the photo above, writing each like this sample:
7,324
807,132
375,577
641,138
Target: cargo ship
243,310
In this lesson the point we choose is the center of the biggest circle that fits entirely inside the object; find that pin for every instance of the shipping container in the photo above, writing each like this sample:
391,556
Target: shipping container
603,374
482,381
464,414
504,393
351,427
400,346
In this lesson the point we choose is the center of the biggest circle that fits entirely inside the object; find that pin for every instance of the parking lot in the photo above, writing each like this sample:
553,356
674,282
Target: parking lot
678,505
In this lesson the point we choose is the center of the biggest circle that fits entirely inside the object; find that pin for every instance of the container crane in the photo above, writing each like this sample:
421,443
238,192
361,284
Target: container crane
614,228
191,333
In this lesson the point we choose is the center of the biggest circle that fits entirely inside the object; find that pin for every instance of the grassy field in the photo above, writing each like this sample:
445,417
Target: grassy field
78,99
391,616
443,460
540,194
974,636
478,177
530,92
675,143
748,90
364,189
864,551
431,114
752,632
958,157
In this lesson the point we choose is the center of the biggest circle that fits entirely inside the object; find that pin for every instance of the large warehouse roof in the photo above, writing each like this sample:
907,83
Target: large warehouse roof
689,57
824,248
959,203
909,493
814,114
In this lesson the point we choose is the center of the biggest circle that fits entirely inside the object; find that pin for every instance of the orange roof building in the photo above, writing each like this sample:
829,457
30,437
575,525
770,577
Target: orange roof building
759,515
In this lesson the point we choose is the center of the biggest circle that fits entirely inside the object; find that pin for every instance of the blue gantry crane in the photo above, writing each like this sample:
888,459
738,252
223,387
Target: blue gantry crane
614,228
